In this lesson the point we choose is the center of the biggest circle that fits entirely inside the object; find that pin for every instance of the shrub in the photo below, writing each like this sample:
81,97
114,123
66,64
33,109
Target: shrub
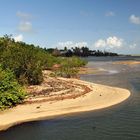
26,61
11,93
69,66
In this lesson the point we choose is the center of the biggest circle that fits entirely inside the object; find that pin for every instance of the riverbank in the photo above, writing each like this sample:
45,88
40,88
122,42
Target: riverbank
99,96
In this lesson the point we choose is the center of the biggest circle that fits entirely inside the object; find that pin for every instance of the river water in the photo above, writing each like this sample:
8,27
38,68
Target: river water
119,122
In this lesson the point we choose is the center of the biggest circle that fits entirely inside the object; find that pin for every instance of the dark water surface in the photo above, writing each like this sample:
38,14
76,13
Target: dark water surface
120,122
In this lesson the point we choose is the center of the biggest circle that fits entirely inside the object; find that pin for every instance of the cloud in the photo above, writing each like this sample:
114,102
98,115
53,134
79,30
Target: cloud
67,44
25,26
110,42
100,43
110,14
23,16
18,38
134,19
70,44
133,46
81,44
114,42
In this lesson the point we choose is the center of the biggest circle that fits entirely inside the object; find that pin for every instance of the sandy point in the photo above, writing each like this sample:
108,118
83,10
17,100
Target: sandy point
99,97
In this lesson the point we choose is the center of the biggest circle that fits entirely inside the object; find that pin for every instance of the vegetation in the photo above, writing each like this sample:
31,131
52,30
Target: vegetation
24,60
27,61
77,51
22,64
69,67
11,93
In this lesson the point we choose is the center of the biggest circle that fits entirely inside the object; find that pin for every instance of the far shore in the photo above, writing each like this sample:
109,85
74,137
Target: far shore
98,97
127,62
88,70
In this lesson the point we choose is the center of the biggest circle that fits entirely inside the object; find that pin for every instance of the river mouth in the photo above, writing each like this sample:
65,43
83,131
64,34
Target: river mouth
118,122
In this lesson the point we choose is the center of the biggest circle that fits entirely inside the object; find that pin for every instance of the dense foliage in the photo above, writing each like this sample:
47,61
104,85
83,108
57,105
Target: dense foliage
23,63
26,61
11,92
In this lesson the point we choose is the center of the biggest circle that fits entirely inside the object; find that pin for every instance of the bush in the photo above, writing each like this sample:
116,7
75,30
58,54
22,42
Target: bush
69,66
26,61
11,93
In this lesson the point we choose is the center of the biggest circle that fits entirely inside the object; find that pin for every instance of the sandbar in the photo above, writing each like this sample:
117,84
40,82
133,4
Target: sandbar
99,97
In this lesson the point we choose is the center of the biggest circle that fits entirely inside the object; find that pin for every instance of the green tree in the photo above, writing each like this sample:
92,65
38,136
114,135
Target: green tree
26,61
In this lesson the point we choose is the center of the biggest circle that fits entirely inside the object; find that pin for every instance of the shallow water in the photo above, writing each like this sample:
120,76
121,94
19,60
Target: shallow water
120,122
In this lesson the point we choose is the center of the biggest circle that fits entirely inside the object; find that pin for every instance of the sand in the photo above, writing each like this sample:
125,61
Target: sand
128,62
99,97
87,70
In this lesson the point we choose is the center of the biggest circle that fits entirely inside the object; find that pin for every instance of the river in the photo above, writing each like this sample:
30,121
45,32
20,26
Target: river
119,122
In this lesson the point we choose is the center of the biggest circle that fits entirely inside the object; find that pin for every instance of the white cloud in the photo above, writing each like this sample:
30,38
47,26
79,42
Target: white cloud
67,44
110,14
18,38
25,26
134,19
70,44
133,46
114,42
23,16
81,44
100,43
110,42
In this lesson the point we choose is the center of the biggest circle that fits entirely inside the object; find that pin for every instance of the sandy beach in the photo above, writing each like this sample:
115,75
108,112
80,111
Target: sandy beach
130,62
100,96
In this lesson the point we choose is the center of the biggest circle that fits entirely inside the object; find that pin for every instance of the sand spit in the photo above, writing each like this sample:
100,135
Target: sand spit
98,97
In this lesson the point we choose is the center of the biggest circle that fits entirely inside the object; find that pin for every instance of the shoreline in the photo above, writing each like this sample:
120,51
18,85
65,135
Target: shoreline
99,97
128,62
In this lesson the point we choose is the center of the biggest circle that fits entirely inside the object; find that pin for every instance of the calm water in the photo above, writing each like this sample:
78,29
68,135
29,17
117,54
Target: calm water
120,122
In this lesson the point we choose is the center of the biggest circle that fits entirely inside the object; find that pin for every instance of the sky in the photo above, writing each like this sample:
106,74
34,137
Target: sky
111,25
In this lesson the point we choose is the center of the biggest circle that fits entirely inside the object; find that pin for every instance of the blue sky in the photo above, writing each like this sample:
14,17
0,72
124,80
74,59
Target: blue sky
99,24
